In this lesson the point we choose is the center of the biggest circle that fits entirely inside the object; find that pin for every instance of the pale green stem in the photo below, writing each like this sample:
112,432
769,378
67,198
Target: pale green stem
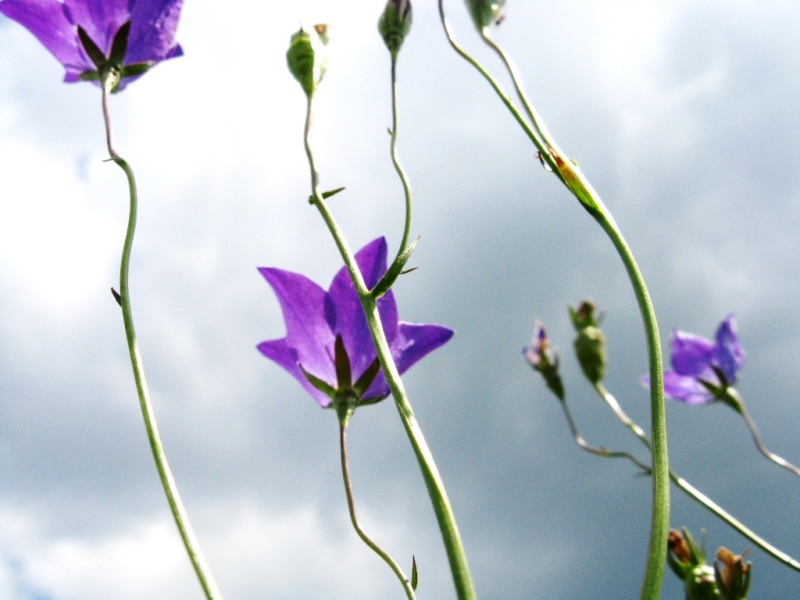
441,505
396,161
190,542
351,506
576,182
696,494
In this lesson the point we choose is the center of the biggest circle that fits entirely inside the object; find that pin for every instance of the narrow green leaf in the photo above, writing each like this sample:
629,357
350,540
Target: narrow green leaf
395,270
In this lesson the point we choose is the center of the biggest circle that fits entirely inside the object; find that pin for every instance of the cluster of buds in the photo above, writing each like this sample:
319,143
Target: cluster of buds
728,580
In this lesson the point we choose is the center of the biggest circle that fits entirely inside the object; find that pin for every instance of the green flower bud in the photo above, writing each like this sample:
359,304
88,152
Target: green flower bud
688,561
307,57
395,23
590,345
544,360
485,12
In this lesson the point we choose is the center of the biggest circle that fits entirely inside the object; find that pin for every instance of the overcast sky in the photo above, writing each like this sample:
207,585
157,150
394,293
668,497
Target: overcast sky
682,114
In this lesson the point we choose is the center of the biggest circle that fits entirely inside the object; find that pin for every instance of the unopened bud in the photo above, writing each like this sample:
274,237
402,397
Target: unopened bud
590,345
395,23
544,360
485,12
307,57
732,575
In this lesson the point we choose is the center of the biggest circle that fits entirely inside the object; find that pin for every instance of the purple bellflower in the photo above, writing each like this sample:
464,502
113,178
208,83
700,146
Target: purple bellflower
328,347
87,36
703,371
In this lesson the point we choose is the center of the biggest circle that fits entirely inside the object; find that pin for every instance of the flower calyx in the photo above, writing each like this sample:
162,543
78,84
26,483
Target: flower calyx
732,574
346,396
688,561
110,70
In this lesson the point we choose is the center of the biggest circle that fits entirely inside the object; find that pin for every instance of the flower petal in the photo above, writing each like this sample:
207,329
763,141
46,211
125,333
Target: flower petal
47,21
279,352
100,19
350,321
304,305
153,26
728,352
412,343
686,389
691,354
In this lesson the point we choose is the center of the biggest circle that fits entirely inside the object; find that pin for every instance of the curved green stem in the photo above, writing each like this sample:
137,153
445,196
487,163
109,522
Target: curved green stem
696,494
351,506
441,504
179,514
396,161
569,173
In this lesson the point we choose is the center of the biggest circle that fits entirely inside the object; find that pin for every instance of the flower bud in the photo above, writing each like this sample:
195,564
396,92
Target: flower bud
485,12
395,23
544,360
688,562
733,577
590,345
307,57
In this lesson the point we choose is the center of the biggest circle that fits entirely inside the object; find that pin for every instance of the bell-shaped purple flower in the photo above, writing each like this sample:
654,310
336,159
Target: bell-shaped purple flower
315,318
141,31
700,367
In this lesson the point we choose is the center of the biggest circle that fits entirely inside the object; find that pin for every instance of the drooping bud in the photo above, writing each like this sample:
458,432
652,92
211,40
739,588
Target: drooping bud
733,576
485,12
590,345
307,57
688,562
394,24
544,360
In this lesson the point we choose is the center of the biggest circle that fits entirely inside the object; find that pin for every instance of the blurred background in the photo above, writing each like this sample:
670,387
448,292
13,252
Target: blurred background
682,114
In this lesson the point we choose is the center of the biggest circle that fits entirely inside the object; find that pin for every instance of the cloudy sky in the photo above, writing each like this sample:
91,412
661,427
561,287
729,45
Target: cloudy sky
683,115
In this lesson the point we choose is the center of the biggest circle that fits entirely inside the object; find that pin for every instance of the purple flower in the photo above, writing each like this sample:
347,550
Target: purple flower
322,326
700,366
84,34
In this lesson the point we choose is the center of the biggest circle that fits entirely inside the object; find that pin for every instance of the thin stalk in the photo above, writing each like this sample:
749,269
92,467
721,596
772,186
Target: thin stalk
179,514
441,504
733,399
576,182
696,494
351,506
396,161
597,450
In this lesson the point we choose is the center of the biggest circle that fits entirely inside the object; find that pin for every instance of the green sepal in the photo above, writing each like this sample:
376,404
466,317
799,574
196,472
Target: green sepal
326,195
120,44
361,386
136,69
341,362
95,54
395,270
318,383
89,76
414,576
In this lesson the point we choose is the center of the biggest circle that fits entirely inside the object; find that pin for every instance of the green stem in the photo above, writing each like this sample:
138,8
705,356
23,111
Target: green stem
696,494
576,182
396,161
190,542
433,481
351,506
